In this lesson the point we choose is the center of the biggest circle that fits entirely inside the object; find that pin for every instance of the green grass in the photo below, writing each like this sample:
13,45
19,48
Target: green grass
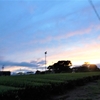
92,91
41,83
25,80
6,88
94,88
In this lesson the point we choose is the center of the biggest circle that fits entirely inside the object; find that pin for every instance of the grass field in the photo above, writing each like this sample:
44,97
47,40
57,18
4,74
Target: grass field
26,86
90,91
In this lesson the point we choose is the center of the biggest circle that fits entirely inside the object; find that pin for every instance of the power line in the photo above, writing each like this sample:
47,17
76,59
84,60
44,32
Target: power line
94,9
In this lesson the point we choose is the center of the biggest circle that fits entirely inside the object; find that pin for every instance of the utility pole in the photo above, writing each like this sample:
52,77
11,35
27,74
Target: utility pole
45,59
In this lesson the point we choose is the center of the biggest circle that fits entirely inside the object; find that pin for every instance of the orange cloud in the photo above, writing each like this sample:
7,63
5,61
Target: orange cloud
79,32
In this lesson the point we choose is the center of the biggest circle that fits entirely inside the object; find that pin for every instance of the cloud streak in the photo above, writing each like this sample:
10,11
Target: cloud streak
66,35
22,64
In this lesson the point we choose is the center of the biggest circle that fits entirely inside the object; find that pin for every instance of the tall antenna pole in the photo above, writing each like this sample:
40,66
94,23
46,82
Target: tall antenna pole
2,67
45,59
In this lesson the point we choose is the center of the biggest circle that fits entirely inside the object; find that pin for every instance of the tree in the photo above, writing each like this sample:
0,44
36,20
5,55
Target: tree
90,67
93,67
61,66
86,64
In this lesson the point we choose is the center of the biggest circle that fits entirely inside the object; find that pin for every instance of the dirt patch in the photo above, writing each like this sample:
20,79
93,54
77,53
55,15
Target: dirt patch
90,91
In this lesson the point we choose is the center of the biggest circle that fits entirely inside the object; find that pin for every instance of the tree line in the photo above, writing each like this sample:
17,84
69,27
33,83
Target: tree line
64,66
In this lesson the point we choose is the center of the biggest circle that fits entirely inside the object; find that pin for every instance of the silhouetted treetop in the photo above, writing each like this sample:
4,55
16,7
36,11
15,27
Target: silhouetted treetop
86,67
61,66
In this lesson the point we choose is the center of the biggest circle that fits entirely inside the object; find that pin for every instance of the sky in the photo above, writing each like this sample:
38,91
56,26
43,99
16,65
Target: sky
65,29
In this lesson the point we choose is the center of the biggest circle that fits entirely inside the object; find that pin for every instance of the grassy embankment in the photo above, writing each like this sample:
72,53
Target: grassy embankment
41,86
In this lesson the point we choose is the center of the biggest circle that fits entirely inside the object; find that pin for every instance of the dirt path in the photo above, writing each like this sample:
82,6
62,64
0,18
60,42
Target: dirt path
91,91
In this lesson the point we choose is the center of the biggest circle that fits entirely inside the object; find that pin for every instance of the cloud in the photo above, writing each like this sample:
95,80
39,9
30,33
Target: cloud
39,62
18,68
1,57
65,35
98,38
22,64
15,69
71,34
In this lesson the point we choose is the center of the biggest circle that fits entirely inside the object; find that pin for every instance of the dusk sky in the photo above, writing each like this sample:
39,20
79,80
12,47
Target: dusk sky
66,29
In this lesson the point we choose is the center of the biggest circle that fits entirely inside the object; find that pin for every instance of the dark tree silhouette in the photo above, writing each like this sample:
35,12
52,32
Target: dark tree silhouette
86,67
93,67
61,66
37,72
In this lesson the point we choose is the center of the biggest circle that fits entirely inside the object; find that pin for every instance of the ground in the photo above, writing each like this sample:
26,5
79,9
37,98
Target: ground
90,91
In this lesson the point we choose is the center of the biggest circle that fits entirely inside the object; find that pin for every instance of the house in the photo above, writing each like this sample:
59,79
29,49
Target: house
5,73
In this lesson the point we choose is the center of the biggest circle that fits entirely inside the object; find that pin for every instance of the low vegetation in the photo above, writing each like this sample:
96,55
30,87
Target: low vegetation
90,91
27,87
